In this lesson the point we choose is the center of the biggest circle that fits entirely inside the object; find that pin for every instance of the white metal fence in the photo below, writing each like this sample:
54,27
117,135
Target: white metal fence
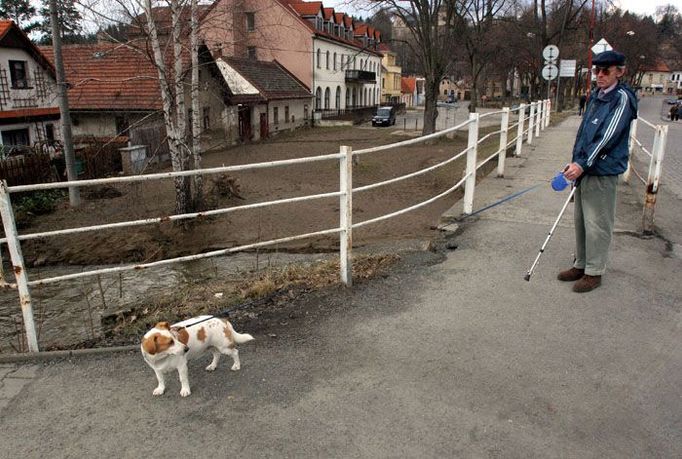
528,121
655,155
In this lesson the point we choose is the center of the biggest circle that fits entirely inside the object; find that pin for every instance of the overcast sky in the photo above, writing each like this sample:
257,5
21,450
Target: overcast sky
637,6
646,6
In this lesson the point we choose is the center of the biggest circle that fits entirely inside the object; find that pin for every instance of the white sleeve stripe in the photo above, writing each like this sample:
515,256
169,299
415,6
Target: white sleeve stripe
611,127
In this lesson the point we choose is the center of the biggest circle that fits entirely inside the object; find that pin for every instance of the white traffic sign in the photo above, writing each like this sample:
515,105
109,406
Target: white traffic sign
567,67
550,53
601,46
550,72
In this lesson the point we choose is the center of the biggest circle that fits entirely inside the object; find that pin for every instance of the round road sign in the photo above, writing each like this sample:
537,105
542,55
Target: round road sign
550,72
550,53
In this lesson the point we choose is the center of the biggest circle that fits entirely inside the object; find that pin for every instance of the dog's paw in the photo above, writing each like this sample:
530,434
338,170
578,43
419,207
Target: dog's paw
235,367
185,392
159,391
211,367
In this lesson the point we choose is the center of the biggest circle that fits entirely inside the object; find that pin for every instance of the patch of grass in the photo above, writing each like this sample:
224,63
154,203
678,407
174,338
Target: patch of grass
195,299
36,203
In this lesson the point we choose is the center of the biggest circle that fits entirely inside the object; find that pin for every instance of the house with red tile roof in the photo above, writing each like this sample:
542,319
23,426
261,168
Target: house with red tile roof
657,79
335,58
29,113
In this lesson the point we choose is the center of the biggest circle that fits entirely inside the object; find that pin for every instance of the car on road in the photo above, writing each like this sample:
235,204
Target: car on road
385,116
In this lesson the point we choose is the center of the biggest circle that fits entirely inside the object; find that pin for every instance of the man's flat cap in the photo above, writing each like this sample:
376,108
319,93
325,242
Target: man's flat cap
608,58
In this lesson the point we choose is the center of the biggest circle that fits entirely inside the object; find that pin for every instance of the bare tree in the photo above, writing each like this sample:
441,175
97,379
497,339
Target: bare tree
427,21
160,34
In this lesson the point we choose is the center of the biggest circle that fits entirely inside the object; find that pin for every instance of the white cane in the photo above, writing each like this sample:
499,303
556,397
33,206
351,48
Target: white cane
551,231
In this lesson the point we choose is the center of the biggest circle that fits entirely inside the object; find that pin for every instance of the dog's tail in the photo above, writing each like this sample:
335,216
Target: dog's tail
241,338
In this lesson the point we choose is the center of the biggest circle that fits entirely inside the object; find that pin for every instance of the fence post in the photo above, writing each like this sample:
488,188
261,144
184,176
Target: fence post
519,130
18,267
346,214
660,139
472,147
631,150
539,121
549,112
504,134
531,121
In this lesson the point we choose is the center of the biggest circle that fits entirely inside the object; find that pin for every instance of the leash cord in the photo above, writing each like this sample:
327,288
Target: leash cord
226,312
503,200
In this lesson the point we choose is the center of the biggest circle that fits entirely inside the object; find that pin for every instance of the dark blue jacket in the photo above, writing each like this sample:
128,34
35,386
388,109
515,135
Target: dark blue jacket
601,146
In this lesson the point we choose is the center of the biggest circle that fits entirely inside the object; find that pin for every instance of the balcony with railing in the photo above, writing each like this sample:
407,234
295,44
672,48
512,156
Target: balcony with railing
360,76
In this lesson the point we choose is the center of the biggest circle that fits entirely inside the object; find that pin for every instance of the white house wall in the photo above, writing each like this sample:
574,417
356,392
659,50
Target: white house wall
334,76
19,97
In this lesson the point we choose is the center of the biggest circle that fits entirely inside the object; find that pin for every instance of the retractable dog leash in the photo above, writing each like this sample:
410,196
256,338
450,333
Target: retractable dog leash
559,183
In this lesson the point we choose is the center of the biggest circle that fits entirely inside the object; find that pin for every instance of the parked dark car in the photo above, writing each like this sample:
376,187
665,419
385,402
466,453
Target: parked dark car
385,117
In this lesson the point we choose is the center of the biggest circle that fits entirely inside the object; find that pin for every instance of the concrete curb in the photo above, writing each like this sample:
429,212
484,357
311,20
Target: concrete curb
53,355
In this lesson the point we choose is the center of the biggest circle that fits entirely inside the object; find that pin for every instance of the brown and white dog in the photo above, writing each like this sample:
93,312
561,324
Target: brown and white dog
166,348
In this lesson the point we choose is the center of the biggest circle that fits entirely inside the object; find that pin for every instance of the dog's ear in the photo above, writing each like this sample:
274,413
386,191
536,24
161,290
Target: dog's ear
149,344
181,334
163,325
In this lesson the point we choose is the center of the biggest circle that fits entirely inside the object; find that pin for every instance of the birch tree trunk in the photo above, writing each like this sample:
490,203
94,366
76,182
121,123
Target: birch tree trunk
197,198
167,101
181,111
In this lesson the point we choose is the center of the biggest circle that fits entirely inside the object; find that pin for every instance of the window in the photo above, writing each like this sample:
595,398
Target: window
327,60
251,52
286,113
250,22
16,137
342,56
275,115
305,112
334,61
326,99
318,98
319,58
338,97
49,132
18,71
121,125
206,117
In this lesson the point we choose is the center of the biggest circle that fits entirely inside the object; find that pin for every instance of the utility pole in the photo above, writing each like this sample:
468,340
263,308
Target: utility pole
588,76
63,100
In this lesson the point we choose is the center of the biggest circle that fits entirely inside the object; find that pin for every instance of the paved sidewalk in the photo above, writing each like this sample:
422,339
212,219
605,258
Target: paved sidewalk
453,357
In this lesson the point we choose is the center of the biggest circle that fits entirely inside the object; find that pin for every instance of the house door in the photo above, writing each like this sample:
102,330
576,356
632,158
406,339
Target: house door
263,125
244,123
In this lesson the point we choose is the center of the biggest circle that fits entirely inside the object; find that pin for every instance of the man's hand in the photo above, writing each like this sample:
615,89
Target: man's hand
573,171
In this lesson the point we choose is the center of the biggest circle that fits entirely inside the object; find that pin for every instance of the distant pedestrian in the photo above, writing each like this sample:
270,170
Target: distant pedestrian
673,112
581,104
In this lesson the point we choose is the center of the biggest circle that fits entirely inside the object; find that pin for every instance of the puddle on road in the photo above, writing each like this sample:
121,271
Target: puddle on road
69,312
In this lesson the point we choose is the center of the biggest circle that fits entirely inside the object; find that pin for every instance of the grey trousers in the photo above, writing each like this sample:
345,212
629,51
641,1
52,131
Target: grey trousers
595,213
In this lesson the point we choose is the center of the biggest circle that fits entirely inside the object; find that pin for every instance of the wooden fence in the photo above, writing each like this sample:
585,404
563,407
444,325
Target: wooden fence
27,169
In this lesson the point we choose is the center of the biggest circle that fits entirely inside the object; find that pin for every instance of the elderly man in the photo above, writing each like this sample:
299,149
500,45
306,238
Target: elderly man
600,154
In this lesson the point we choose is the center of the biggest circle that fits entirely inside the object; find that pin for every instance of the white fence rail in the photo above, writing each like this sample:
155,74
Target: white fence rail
537,119
653,177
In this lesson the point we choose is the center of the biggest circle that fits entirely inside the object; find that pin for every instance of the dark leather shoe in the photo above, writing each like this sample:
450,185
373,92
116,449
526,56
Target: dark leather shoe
587,283
571,275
